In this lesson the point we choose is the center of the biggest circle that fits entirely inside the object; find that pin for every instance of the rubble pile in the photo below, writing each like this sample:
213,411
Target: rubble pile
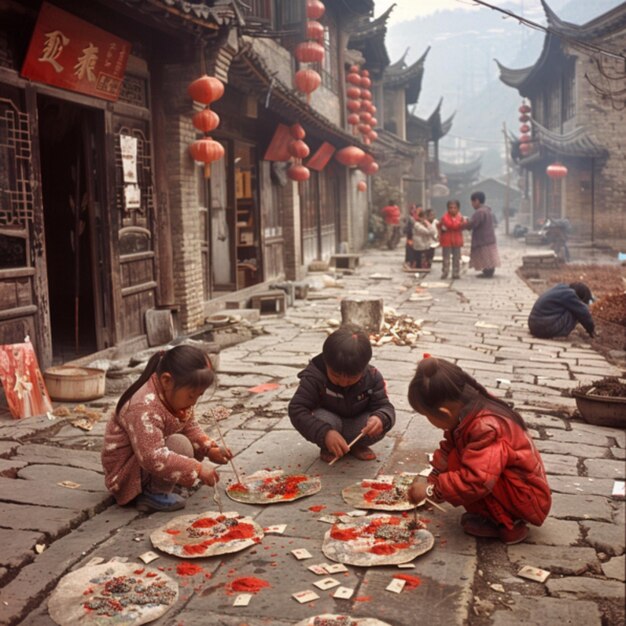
611,308
401,330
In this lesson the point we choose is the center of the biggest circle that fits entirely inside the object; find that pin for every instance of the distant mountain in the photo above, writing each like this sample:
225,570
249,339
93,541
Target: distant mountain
460,67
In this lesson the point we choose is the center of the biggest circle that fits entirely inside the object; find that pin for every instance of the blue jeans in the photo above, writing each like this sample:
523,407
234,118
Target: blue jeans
348,427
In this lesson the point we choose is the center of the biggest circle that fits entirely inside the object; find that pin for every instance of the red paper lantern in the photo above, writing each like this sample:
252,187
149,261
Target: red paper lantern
361,185
370,169
353,119
525,149
364,129
299,173
298,149
524,128
354,106
206,151
365,73
206,120
366,94
365,117
353,92
373,122
524,109
307,81
556,170
524,118
354,79
350,156
314,30
206,89
373,135
366,82
525,138
372,109
314,9
354,68
297,132
309,52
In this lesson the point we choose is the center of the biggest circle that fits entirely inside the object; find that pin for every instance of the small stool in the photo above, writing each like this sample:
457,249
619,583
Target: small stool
345,261
268,302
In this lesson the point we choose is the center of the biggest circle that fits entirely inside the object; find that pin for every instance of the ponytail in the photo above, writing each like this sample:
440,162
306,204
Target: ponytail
437,381
188,366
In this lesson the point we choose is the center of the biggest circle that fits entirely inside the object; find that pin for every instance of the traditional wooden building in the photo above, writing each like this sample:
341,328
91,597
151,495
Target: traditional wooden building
104,216
578,118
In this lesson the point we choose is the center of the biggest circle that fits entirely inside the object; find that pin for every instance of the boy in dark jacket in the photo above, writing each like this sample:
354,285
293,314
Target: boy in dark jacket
341,396
558,310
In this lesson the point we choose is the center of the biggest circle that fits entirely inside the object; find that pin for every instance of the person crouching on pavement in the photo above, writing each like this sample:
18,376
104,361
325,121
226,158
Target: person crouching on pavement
487,461
340,396
152,442
557,311
451,239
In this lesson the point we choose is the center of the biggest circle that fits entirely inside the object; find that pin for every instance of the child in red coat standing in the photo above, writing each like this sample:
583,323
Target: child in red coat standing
487,461
451,239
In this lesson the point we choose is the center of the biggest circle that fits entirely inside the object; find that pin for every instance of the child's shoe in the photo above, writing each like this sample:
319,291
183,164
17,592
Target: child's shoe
149,502
517,534
326,455
479,526
363,453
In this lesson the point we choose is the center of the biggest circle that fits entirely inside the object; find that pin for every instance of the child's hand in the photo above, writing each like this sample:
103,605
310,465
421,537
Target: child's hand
335,443
219,455
374,426
208,475
417,490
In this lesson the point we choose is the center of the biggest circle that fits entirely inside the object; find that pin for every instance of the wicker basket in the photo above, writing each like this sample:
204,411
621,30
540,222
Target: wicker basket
601,410
67,383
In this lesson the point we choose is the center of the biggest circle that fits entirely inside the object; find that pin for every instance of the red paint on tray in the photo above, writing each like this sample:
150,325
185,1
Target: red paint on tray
344,534
248,584
382,548
317,508
411,581
363,599
188,569
172,531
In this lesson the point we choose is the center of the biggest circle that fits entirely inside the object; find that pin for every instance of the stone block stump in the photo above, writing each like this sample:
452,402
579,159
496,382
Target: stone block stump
365,312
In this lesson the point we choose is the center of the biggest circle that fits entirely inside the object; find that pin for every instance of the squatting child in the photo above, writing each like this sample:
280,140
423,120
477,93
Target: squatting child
340,396
487,461
152,442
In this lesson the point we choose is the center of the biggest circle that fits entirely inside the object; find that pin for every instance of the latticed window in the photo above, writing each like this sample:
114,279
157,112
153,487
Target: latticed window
259,10
568,87
329,69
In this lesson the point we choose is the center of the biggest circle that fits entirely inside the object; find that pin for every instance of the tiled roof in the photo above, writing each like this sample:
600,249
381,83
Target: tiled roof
576,143
408,76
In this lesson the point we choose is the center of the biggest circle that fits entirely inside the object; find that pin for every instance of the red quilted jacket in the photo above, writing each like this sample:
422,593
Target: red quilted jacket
491,448
450,231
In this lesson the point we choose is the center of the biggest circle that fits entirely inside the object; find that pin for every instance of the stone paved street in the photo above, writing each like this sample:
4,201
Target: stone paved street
481,325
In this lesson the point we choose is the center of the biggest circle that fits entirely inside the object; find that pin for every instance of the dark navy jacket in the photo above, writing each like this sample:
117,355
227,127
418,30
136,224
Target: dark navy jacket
317,392
556,313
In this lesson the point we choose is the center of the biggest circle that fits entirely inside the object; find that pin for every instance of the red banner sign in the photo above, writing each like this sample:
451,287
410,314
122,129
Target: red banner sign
68,52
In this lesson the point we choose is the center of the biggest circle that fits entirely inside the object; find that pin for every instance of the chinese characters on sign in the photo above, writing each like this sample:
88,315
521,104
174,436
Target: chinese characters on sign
68,52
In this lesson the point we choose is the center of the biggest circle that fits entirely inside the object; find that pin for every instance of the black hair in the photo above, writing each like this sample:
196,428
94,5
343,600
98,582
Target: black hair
189,367
348,350
582,291
458,204
478,195
437,381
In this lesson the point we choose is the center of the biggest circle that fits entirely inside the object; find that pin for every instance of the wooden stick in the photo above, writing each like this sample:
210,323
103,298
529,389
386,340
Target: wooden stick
435,505
219,432
349,446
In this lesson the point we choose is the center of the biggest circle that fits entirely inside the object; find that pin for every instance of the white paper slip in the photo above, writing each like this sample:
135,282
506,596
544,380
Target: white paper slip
345,593
426,472
533,573
396,585
95,561
335,568
148,557
305,596
243,599
619,489
385,479
406,565
326,583
277,529
327,519
319,569
357,513
302,553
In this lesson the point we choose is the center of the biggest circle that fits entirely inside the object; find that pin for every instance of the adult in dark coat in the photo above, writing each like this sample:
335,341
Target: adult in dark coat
484,251
558,310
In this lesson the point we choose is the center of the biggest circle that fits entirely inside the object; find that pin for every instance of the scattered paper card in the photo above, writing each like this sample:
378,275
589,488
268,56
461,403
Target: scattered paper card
302,553
40,547
277,529
533,573
305,596
95,561
69,484
327,519
326,583
619,489
396,585
426,472
243,599
319,569
148,557
335,568
385,479
406,565
344,593
497,587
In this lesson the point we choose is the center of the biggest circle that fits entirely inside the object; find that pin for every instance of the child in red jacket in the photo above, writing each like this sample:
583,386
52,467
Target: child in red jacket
487,461
451,239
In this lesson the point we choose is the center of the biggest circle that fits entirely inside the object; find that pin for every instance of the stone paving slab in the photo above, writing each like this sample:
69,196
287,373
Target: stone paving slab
615,433
615,568
543,421
581,484
10,467
54,474
604,537
555,532
7,448
614,469
573,562
560,464
582,507
579,450
17,547
543,611
585,587
598,438
51,521
37,453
